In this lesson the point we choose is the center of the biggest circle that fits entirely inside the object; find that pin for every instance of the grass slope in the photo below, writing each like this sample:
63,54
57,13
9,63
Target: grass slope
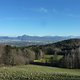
33,72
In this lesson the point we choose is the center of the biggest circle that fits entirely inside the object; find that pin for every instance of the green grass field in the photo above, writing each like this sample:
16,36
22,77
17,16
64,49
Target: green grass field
33,72
47,58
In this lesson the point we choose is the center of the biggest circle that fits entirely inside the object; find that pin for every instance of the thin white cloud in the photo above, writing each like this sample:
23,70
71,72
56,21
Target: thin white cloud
14,18
69,12
21,18
43,10
73,15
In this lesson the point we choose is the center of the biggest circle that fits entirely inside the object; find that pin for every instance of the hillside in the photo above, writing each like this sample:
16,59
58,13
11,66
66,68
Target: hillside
32,72
61,54
68,49
65,43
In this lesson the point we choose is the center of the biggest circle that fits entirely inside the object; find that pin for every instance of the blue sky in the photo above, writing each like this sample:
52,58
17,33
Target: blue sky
40,17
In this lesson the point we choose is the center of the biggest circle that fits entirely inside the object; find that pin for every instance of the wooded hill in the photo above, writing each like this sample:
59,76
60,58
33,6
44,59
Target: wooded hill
68,49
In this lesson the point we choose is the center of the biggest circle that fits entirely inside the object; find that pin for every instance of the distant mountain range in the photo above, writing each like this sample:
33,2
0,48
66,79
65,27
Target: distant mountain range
36,38
25,40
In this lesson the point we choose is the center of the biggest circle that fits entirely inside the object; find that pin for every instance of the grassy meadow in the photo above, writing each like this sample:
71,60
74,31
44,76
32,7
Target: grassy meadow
33,72
49,58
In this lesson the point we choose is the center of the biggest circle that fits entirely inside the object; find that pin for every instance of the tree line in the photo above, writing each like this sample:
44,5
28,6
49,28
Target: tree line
69,50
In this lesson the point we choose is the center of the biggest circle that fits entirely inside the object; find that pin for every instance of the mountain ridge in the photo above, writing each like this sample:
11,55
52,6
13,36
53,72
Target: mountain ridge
36,38
26,40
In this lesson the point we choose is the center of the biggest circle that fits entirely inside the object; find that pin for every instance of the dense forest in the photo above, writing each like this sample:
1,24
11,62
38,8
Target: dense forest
62,54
